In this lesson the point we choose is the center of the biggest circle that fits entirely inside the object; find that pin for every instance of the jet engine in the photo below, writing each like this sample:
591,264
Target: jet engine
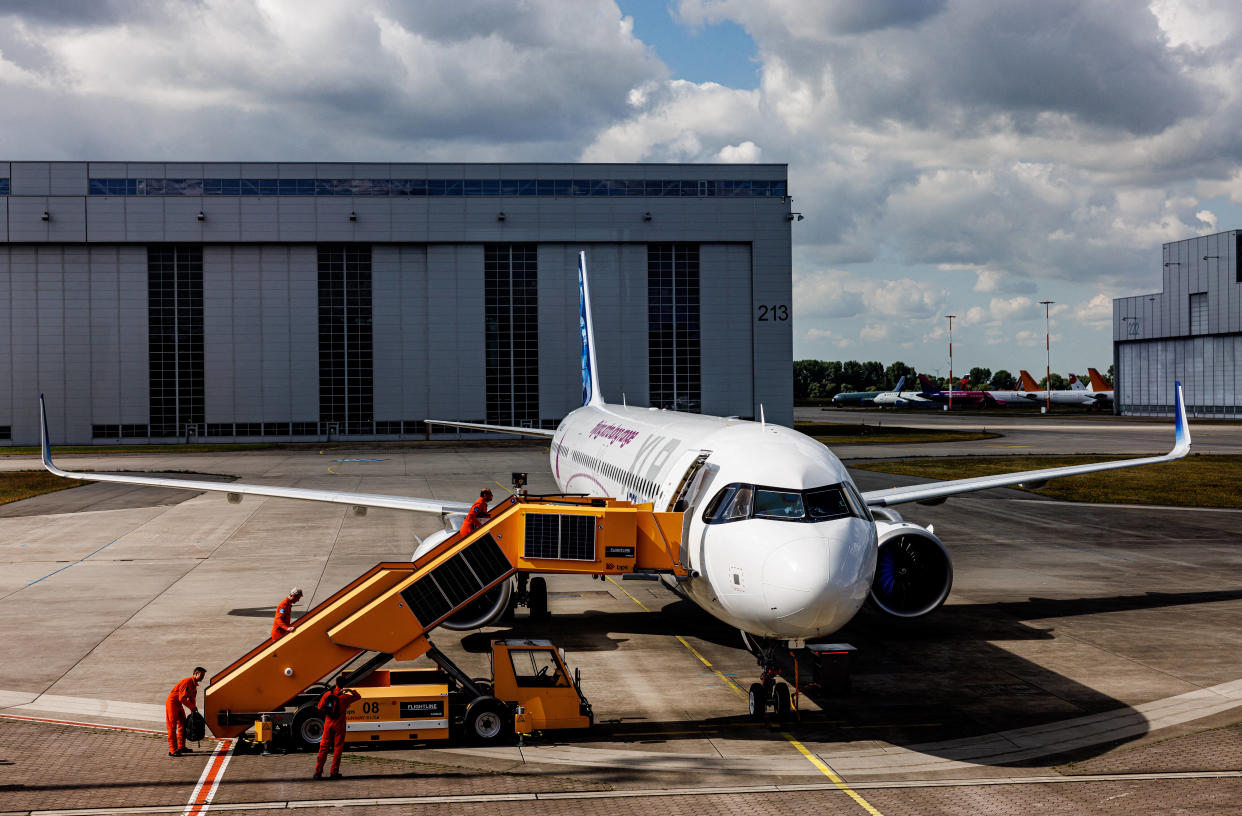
485,609
913,572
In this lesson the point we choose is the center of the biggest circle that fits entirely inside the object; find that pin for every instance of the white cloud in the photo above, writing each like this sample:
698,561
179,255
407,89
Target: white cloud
746,152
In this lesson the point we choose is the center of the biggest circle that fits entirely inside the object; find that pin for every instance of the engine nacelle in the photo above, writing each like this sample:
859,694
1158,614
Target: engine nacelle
913,571
486,609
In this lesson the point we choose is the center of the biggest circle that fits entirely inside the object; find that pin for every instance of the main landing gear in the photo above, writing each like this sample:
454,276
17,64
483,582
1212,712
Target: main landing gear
531,593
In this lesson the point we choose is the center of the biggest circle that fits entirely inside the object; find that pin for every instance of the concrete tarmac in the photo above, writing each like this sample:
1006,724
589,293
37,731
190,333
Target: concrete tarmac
1087,654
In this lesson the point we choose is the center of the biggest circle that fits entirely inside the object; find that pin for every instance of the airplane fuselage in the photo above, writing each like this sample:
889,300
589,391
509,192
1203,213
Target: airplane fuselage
776,530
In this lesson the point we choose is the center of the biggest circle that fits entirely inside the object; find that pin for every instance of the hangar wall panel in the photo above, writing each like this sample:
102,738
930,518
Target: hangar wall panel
75,322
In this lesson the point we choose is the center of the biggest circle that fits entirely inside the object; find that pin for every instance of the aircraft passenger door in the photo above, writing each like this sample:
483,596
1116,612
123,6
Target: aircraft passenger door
686,494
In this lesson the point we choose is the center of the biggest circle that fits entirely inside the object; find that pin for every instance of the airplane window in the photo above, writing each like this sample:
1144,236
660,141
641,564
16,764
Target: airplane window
778,504
718,501
857,505
740,504
827,503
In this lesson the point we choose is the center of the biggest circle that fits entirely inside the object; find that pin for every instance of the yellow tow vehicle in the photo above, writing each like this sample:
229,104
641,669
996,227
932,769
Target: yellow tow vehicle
531,689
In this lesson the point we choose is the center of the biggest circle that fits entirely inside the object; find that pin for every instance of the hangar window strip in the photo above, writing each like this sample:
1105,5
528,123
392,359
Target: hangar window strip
674,353
175,339
6,431
318,431
346,352
4,186
511,333
646,188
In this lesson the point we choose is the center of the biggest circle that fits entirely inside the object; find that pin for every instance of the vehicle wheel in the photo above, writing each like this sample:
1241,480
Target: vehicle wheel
488,722
758,701
307,728
781,704
538,598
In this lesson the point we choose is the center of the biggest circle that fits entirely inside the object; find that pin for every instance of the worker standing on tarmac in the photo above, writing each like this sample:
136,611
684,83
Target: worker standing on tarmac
184,694
334,703
478,515
281,625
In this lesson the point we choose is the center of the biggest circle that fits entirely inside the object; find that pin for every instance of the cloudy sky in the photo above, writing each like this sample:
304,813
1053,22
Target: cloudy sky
950,156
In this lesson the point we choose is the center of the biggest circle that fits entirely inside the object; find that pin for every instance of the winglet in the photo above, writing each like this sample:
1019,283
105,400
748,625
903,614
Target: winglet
900,383
1181,428
47,445
586,326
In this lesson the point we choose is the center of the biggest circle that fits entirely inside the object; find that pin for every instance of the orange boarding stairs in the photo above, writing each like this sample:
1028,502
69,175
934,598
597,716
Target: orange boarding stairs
392,607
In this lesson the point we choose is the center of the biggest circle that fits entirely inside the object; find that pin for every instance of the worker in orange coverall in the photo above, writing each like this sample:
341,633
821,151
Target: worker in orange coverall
281,625
478,514
334,726
184,694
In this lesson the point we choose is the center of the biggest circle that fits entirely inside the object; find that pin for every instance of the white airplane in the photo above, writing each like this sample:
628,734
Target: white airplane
897,397
1076,395
779,541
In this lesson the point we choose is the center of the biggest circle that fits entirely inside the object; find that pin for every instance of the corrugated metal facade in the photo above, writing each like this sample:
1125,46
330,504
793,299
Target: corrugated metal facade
1191,332
74,278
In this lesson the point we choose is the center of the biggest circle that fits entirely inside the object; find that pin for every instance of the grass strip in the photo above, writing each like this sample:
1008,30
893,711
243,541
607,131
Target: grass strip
834,434
26,484
1196,481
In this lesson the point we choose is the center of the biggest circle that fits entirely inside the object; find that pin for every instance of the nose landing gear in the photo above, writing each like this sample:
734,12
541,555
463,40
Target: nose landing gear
810,666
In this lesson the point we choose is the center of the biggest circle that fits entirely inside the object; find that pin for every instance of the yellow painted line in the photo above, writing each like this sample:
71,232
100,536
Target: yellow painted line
832,775
728,680
814,760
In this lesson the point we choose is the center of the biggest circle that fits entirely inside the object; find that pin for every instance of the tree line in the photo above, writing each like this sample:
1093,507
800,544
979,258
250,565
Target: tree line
824,379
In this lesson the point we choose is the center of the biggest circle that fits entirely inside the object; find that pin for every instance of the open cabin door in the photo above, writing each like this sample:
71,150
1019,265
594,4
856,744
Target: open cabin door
686,495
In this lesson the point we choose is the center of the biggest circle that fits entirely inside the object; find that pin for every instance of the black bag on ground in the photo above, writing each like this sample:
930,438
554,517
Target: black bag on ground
195,727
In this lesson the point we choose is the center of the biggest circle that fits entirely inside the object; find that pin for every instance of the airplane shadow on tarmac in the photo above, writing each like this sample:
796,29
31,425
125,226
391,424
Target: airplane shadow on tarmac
914,683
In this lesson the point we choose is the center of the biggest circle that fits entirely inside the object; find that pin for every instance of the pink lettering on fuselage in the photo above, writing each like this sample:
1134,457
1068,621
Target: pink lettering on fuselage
615,434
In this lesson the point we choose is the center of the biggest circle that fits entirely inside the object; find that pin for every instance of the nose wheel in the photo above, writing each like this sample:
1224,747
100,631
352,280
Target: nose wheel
769,692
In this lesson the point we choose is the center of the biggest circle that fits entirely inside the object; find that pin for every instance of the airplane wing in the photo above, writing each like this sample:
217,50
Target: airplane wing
307,494
538,433
942,490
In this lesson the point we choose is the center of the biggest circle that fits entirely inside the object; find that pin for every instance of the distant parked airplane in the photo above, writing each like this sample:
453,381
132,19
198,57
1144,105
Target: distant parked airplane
977,399
897,397
1067,396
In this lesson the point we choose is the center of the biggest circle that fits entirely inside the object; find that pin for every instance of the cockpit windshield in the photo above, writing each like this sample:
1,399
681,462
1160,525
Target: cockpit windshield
736,502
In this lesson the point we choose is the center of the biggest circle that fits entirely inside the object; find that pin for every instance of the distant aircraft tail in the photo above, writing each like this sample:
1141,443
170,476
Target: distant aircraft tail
1098,383
927,385
1077,384
900,383
1028,382
586,326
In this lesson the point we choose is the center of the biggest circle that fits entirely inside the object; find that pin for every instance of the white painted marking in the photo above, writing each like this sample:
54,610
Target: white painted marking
205,790
397,725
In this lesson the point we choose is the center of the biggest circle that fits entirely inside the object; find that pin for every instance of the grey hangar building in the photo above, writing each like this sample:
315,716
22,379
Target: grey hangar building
160,302
1191,332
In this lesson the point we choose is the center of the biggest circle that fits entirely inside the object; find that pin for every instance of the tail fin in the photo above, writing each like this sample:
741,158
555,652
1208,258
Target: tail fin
586,327
1076,384
1028,382
900,383
1098,383
927,385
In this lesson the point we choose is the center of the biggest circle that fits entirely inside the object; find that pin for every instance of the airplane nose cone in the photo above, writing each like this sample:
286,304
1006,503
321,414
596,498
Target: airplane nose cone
795,573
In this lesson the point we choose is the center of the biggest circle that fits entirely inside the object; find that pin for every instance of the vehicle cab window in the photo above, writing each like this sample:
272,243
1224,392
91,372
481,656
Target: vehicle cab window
536,668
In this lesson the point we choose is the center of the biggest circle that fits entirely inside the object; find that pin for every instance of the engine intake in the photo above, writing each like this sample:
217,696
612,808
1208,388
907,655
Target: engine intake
485,609
913,571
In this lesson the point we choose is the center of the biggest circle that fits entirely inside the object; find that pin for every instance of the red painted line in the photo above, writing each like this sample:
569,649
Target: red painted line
205,790
84,724
105,726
